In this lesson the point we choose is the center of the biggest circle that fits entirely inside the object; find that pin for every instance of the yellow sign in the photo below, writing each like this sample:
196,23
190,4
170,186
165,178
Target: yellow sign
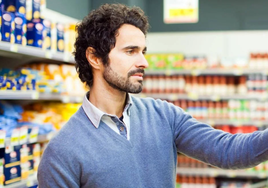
180,11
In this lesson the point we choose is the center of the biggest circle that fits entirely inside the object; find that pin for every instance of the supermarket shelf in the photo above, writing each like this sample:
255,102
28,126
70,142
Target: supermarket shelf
234,122
194,96
30,54
34,95
219,172
196,72
259,185
40,139
31,181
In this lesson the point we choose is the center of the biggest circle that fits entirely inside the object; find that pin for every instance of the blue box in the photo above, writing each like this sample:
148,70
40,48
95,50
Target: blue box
60,37
12,174
8,27
12,155
36,9
47,39
20,29
35,32
21,6
9,5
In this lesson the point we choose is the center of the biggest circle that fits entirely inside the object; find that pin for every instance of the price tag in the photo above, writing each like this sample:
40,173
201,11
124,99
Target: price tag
30,183
48,54
193,96
238,72
14,141
195,72
14,48
259,123
211,123
50,135
23,135
2,138
215,98
142,95
65,99
168,72
78,99
174,97
231,173
264,97
262,175
35,95
33,135
214,173
66,57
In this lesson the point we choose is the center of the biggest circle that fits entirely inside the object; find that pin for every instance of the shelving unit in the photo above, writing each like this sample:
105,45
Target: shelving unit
13,56
211,172
195,96
31,181
34,95
214,71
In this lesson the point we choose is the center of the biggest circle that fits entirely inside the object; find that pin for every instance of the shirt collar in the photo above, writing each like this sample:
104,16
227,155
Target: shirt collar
94,114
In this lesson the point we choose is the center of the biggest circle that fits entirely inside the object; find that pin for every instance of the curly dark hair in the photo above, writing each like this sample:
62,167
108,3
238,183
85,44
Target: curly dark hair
99,29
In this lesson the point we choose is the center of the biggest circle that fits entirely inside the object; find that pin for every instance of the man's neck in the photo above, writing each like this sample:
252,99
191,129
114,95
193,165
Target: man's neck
111,101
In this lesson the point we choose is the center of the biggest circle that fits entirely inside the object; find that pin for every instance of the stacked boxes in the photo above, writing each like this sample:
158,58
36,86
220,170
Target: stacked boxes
23,22
35,33
12,168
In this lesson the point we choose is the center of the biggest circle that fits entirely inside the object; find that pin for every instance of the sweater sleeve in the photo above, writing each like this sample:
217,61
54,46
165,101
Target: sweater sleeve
216,147
52,171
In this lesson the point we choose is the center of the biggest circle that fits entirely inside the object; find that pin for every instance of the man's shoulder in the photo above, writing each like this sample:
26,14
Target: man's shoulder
149,102
71,132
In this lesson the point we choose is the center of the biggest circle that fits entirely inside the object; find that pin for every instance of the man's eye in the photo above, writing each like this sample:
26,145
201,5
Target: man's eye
130,52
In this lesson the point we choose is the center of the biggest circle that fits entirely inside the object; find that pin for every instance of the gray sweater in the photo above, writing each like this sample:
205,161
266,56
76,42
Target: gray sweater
84,156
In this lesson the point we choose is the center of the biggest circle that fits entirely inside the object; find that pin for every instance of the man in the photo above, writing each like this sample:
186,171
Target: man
119,141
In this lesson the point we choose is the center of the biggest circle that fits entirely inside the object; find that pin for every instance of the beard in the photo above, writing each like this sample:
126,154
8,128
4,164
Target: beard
121,83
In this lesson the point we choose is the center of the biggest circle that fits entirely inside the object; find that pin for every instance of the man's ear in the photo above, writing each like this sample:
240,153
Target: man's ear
92,59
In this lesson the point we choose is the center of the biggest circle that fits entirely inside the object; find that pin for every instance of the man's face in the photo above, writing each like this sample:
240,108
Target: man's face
126,65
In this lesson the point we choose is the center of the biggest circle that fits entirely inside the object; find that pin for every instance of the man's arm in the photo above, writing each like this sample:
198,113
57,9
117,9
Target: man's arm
217,147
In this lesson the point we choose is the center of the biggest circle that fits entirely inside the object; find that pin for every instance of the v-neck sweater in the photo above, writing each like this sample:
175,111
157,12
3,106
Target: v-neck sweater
81,155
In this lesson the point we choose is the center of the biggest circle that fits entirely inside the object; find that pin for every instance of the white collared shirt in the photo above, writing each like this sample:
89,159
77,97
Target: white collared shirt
95,115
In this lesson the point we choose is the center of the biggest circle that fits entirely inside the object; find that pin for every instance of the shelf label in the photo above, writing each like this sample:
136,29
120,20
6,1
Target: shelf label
142,95
211,123
193,96
168,72
174,97
262,175
66,57
78,99
48,54
238,72
195,72
23,135
215,98
2,138
214,173
14,48
35,95
65,99
50,135
15,137
33,135
231,174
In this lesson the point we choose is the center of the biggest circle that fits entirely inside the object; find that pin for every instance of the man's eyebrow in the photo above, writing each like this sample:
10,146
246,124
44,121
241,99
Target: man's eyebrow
134,47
